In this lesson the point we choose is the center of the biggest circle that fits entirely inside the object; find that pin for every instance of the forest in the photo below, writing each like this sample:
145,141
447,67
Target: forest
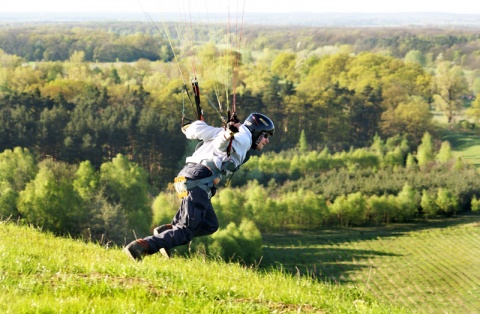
91,112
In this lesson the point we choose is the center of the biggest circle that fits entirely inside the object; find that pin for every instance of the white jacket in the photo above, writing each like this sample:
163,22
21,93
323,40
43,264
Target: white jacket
216,143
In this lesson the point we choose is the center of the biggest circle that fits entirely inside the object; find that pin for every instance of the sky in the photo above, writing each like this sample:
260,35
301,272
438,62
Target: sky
272,6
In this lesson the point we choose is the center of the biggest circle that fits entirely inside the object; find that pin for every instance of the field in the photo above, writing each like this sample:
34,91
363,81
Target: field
465,145
429,267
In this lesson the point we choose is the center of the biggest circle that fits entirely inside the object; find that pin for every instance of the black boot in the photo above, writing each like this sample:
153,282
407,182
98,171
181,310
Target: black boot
137,249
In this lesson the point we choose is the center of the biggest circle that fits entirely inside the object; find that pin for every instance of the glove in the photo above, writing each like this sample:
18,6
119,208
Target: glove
232,127
234,118
230,130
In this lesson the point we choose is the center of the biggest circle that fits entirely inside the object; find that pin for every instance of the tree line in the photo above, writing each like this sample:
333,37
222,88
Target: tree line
292,190
78,110
129,41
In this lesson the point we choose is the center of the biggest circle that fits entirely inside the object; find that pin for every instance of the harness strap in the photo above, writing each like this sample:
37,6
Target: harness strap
205,184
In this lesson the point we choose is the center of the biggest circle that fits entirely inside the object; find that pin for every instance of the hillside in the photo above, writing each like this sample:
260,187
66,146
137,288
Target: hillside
45,274
464,145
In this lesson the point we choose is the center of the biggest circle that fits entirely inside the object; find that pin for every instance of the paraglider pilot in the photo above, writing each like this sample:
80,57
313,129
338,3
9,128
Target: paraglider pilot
223,151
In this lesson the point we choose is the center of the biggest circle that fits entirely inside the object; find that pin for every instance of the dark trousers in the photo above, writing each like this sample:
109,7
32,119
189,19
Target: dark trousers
195,217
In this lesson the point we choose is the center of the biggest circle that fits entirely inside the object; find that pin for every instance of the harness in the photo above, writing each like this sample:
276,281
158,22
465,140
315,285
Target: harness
183,184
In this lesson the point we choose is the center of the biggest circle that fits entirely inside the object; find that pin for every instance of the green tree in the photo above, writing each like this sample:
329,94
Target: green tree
107,221
229,206
412,118
429,205
17,167
350,209
50,201
50,135
378,146
256,196
445,153
410,163
447,202
450,85
305,208
86,182
164,207
425,152
415,56
126,184
250,242
284,65
474,110
381,208
242,243
302,143
408,201
475,203
8,201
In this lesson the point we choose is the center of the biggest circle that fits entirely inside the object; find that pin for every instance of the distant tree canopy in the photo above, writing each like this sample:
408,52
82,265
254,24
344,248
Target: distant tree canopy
81,106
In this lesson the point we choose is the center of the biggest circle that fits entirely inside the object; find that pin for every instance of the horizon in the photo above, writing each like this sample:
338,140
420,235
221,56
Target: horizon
264,6
308,19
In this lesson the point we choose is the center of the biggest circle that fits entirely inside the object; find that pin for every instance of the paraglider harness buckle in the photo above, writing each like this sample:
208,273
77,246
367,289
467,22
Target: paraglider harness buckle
180,184
183,185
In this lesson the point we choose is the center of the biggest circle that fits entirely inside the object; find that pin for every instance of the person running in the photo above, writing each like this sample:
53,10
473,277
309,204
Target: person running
222,152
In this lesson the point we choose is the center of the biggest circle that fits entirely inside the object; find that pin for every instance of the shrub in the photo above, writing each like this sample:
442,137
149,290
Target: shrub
475,204
242,243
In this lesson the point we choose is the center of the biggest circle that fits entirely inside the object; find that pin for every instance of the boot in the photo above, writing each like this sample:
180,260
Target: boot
137,249
162,228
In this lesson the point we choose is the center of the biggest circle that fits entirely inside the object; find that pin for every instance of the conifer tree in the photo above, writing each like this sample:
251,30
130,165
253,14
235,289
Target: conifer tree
425,152
302,143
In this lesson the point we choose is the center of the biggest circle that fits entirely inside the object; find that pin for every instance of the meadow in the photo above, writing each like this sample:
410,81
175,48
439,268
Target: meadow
464,144
427,267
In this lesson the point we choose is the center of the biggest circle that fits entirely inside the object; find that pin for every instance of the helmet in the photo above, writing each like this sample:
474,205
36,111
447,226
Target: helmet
259,124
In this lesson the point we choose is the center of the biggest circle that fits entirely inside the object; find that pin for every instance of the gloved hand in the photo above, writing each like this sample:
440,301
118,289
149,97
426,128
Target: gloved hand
234,118
230,129
232,126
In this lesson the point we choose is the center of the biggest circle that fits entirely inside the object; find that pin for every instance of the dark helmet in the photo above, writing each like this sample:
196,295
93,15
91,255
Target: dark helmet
259,124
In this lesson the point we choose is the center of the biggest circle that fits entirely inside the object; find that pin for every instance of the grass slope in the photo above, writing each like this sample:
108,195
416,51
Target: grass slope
430,267
465,145
44,274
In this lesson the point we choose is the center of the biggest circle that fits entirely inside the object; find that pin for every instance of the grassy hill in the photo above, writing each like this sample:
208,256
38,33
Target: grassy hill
465,145
41,273
429,267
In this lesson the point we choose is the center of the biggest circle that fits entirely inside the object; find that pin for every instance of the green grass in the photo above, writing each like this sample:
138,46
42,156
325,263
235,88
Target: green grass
427,267
465,145
41,273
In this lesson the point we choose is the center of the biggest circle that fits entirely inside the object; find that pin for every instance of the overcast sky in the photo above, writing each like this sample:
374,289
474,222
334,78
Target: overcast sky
132,6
